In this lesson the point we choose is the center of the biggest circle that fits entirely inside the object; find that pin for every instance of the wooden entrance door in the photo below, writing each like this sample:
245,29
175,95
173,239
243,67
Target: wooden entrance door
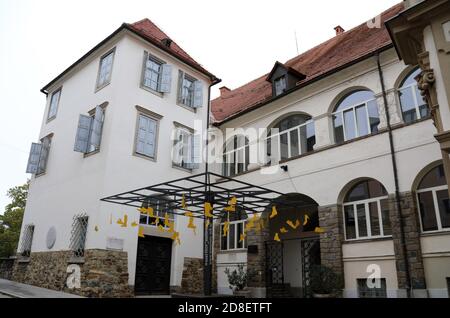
153,266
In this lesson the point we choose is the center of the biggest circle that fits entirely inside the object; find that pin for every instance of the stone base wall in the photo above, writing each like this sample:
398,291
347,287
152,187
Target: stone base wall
102,273
330,220
6,267
411,223
192,279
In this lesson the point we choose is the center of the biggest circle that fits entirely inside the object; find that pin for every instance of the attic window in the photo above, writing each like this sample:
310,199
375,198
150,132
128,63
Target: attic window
280,85
166,42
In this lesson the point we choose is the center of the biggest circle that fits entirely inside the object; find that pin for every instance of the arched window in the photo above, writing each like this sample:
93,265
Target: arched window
413,105
434,204
236,156
356,115
366,211
296,136
233,240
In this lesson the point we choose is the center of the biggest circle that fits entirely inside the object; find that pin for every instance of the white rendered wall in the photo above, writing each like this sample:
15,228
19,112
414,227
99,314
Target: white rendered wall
74,184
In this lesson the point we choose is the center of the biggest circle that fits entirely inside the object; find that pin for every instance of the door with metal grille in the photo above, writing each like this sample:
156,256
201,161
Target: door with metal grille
310,257
153,266
274,264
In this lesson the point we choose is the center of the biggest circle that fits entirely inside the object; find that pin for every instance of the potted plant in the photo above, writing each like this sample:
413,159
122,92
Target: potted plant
325,283
238,280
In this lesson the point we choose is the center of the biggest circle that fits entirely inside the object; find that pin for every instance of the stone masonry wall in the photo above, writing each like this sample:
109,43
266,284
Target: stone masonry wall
103,273
6,267
412,241
330,220
256,262
192,279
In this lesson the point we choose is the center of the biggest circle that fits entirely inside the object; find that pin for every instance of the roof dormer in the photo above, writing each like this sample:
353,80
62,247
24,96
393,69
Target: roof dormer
283,78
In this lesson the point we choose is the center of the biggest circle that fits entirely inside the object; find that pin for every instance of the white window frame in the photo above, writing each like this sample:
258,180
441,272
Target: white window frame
236,238
434,191
355,121
288,132
99,85
49,116
278,84
159,213
190,135
367,214
412,87
235,153
191,93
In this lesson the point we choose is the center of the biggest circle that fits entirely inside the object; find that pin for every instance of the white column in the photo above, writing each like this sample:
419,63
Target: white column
324,131
393,107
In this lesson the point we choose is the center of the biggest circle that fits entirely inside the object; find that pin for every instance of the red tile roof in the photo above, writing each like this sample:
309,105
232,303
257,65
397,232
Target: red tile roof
151,32
324,58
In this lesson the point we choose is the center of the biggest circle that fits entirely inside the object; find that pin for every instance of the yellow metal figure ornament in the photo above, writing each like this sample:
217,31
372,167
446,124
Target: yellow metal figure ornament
226,228
274,212
191,224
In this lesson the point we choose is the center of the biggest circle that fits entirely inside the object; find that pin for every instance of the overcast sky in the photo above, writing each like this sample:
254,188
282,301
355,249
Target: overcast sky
237,40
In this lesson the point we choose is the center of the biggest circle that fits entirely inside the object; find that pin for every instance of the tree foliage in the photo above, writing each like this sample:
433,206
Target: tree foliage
11,220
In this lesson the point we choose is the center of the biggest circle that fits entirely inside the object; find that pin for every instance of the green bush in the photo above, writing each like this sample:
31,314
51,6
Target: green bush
239,278
325,281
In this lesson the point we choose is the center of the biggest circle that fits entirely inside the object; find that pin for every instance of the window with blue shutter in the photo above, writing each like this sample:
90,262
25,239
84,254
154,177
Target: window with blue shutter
97,127
37,160
33,159
89,131
166,78
198,94
195,155
186,150
190,91
83,133
146,136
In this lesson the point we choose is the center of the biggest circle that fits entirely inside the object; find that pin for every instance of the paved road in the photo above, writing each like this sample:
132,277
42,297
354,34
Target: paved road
18,290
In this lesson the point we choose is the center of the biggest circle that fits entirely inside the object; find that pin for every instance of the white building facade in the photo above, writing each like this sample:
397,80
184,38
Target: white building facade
334,151
111,120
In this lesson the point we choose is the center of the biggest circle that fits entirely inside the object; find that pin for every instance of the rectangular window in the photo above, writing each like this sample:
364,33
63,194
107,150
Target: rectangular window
187,148
152,74
190,91
105,69
27,240
37,160
233,240
350,223
160,209
280,85
146,136
89,132
78,235
444,208
54,103
364,291
428,215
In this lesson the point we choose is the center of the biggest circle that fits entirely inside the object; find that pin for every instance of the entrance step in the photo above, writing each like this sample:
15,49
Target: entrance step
280,291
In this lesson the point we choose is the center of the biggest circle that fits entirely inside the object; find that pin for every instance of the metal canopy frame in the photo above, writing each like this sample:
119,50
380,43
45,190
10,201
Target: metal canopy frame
198,189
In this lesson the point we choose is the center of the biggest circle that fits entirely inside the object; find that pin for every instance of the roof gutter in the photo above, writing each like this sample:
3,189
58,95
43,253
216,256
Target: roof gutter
127,27
315,79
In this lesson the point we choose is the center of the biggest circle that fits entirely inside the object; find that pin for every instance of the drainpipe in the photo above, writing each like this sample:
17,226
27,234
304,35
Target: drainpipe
208,229
395,171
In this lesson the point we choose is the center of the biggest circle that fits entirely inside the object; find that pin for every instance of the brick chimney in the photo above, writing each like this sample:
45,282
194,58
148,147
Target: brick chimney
224,90
339,30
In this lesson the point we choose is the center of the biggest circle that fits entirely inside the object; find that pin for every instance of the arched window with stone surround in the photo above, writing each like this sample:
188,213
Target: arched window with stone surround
412,103
296,136
433,201
232,241
355,115
366,211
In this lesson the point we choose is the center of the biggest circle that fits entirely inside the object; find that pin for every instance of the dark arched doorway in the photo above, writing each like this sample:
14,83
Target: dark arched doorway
293,247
